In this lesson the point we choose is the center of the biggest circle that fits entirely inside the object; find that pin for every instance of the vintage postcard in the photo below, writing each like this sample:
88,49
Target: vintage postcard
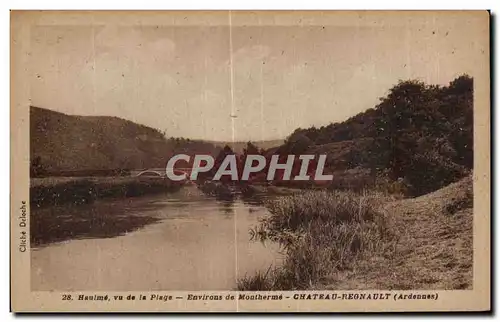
237,161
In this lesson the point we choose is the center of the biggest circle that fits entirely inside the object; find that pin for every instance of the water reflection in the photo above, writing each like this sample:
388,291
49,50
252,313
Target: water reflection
227,208
97,220
112,218
183,241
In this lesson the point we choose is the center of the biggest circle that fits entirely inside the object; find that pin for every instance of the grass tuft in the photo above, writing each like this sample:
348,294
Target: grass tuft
322,232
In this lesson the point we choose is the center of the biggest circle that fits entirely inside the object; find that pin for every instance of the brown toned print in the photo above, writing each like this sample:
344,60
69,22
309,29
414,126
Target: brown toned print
381,117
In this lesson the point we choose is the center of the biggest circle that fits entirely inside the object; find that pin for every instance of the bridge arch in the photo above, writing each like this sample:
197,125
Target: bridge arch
163,174
145,172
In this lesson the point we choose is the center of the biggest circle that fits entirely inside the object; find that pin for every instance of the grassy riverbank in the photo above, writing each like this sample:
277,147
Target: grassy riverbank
343,240
58,191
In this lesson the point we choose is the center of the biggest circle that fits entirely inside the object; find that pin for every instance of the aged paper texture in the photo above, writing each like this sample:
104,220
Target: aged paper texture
272,161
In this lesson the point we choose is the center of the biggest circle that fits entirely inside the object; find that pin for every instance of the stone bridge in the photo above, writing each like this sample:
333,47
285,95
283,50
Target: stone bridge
158,172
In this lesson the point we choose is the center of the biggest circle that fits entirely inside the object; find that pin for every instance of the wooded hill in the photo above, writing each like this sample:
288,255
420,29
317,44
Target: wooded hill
65,143
419,134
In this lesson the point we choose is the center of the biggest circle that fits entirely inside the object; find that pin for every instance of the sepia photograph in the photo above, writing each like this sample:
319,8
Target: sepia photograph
268,158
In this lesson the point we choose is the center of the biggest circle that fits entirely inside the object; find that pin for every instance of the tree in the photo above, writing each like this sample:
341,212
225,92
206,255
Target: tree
250,149
219,159
297,144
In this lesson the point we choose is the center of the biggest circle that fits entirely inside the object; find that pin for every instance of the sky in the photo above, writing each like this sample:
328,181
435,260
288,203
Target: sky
243,76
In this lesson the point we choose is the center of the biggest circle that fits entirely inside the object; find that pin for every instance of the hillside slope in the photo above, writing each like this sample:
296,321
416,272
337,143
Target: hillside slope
435,246
61,142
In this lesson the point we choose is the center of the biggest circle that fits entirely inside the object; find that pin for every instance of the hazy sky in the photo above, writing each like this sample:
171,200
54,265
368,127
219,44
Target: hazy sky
261,78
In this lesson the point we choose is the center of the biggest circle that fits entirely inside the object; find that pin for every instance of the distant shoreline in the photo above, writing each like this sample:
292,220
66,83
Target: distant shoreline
52,191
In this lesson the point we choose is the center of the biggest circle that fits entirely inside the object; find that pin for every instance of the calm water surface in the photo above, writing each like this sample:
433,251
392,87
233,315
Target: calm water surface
186,241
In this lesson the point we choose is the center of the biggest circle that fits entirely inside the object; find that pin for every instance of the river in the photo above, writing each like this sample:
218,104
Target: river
180,241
